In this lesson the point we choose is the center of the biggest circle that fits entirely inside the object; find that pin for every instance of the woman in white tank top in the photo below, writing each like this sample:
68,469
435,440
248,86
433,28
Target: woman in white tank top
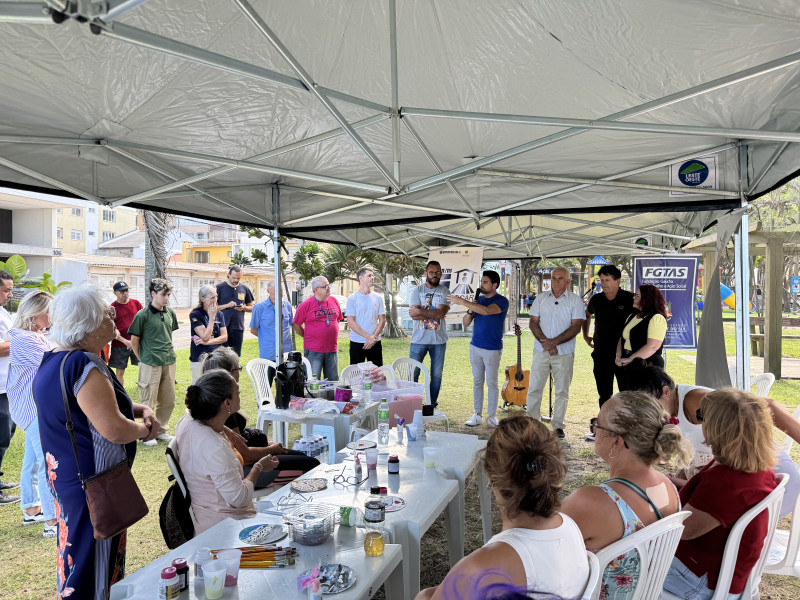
539,549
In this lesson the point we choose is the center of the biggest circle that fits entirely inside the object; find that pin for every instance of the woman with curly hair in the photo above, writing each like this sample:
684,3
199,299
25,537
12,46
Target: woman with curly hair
539,548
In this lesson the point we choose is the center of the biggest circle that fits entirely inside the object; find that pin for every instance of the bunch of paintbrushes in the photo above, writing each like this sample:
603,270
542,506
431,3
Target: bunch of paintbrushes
264,557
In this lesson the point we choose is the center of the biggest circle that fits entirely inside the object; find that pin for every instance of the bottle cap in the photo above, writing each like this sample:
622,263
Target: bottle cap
375,489
393,458
180,563
169,573
384,490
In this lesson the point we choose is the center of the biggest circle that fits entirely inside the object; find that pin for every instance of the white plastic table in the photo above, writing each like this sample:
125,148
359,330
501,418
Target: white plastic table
338,423
427,494
458,454
346,546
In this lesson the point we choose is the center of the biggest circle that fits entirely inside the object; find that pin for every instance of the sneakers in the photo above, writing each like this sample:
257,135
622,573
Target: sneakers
491,422
50,531
8,498
32,519
164,437
8,485
474,420
560,433
589,437
149,443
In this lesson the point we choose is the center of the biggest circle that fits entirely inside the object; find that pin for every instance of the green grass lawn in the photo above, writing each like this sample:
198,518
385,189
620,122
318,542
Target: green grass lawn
31,573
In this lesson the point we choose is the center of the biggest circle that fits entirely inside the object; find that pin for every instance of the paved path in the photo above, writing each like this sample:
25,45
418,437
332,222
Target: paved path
790,367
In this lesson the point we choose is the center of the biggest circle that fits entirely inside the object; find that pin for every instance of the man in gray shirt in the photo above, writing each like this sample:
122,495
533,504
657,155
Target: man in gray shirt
428,307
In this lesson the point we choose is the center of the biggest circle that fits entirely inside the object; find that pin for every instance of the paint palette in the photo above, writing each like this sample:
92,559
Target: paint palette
394,503
362,445
334,578
312,484
262,534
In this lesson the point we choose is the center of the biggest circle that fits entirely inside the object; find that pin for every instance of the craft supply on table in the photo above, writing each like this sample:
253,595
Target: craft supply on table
372,459
429,453
311,524
233,557
170,585
312,484
214,578
374,514
264,557
182,568
262,534
361,445
333,578
203,556
394,464
383,422
400,427
411,430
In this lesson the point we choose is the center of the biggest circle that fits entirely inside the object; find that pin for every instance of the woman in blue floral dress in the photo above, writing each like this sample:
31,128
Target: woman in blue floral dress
105,432
632,432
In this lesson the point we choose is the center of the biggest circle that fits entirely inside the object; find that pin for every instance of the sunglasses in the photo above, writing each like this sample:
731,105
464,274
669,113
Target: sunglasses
593,425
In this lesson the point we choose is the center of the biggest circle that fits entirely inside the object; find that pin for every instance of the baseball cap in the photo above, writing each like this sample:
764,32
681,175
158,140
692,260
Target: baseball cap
120,286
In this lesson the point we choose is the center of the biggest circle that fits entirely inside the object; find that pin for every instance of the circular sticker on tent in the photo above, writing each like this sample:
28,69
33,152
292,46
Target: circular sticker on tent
693,172
313,484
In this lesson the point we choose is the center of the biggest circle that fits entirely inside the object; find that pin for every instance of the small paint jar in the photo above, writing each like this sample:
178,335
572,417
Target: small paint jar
394,464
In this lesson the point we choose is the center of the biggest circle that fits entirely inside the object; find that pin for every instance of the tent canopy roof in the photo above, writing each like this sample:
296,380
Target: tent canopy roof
532,128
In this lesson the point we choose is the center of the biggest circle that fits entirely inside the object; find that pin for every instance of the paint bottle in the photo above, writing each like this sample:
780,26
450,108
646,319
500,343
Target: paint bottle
170,585
182,568
203,556
394,464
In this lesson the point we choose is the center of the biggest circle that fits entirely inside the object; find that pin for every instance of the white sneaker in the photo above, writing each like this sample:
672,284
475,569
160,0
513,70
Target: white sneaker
589,437
50,531
474,420
164,437
149,443
491,422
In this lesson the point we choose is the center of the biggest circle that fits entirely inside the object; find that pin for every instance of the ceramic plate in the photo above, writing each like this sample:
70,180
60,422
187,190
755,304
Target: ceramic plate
313,484
262,534
394,503
362,445
334,578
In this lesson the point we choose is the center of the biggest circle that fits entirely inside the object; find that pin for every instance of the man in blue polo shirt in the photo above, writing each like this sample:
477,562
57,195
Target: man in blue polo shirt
486,348
262,324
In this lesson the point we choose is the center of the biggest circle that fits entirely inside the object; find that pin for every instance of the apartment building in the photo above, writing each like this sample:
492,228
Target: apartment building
83,226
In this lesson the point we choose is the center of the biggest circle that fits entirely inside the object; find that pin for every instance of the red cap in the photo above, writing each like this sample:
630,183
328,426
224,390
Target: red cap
180,563
169,573
384,490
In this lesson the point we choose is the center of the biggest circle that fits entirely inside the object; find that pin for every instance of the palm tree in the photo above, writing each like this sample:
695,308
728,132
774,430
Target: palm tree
343,262
389,267
156,225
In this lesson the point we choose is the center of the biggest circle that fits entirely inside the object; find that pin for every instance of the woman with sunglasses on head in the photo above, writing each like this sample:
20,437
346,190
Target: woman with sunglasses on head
737,426
217,484
251,445
632,433
644,331
683,401
539,548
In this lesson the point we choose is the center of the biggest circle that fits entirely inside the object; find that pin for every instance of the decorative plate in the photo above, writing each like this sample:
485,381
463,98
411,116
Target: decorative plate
362,445
394,503
313,484
334,578
262,534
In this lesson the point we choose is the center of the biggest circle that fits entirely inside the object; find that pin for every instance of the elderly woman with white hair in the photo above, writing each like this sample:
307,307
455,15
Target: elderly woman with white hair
28,345
105,432
208,329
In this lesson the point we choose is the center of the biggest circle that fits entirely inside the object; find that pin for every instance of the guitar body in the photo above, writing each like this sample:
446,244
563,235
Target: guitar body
515,387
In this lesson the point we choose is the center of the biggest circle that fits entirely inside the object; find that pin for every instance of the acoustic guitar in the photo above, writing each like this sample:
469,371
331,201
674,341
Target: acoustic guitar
515,388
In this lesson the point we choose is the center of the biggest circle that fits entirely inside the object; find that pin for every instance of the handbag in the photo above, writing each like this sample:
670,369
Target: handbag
114,500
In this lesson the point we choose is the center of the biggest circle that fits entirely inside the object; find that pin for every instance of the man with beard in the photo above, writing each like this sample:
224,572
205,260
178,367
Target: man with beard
489,312
428,306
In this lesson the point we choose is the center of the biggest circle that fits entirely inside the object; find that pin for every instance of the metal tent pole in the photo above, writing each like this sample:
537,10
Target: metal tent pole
276,205
741,244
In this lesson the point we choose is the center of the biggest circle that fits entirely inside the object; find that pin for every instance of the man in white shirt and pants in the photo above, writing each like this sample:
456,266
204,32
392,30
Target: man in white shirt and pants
556,318
366,316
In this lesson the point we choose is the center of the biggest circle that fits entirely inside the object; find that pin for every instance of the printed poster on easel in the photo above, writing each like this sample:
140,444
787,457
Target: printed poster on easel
461,274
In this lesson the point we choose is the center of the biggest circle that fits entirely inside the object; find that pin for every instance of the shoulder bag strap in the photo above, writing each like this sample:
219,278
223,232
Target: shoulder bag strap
70,425
639,492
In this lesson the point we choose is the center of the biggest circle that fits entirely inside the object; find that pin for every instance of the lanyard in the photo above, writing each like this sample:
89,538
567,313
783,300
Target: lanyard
327,317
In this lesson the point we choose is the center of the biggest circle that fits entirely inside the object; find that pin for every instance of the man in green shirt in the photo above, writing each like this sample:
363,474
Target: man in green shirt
151,341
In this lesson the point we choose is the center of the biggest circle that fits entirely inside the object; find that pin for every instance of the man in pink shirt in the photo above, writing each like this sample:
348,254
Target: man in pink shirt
317,322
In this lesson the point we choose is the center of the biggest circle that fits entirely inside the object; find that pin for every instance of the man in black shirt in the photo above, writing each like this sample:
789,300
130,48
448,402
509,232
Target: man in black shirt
234,299
610,309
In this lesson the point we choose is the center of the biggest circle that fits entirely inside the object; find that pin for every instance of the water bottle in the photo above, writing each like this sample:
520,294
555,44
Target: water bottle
326,450
366,394
383,422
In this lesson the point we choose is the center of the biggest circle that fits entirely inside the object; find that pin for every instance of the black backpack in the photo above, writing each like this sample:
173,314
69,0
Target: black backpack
174,515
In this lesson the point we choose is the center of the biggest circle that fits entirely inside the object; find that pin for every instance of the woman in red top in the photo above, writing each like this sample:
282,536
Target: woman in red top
738,427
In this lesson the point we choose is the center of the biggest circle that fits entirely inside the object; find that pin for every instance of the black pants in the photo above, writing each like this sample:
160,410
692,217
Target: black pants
7,427
235,338
604,371
290,467
359,355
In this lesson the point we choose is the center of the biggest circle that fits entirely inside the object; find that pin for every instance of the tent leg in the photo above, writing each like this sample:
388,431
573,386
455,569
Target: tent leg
741,244
276,204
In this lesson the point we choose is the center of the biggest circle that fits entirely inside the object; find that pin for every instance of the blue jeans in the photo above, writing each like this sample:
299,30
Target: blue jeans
33,478
437,351
685,584
323,361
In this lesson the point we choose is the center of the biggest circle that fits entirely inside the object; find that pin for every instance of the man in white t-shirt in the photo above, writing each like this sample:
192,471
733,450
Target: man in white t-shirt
7,426
428,306
366,316
557,317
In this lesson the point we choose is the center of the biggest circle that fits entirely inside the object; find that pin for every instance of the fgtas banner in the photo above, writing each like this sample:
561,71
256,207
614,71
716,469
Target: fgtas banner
461,274
676,277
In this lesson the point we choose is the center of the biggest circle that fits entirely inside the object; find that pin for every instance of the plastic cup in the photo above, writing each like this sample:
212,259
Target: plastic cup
430,457
233,557
214,573
372,459
412,432
383,458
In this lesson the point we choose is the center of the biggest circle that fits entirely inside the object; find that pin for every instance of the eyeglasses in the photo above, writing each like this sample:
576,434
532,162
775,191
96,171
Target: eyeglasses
699,415
111,313
594,425
238,368
324,287
351,480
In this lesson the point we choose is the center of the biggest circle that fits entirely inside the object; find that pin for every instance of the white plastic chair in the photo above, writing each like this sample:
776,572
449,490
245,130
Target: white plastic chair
772,504
783,556
594,576
257,370
763,383
351,375
656,544
388,371
404,368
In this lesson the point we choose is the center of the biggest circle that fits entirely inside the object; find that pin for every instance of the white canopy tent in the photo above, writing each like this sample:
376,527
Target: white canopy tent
530,128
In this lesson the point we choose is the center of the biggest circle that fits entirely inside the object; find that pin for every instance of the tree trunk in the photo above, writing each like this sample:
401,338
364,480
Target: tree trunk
155,248
392,329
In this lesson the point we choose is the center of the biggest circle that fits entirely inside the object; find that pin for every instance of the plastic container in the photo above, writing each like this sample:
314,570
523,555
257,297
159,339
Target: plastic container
233,557
383,422
182,568
169,587
429,455
311,525
214,578
351,516
374,513
393,464
203,556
